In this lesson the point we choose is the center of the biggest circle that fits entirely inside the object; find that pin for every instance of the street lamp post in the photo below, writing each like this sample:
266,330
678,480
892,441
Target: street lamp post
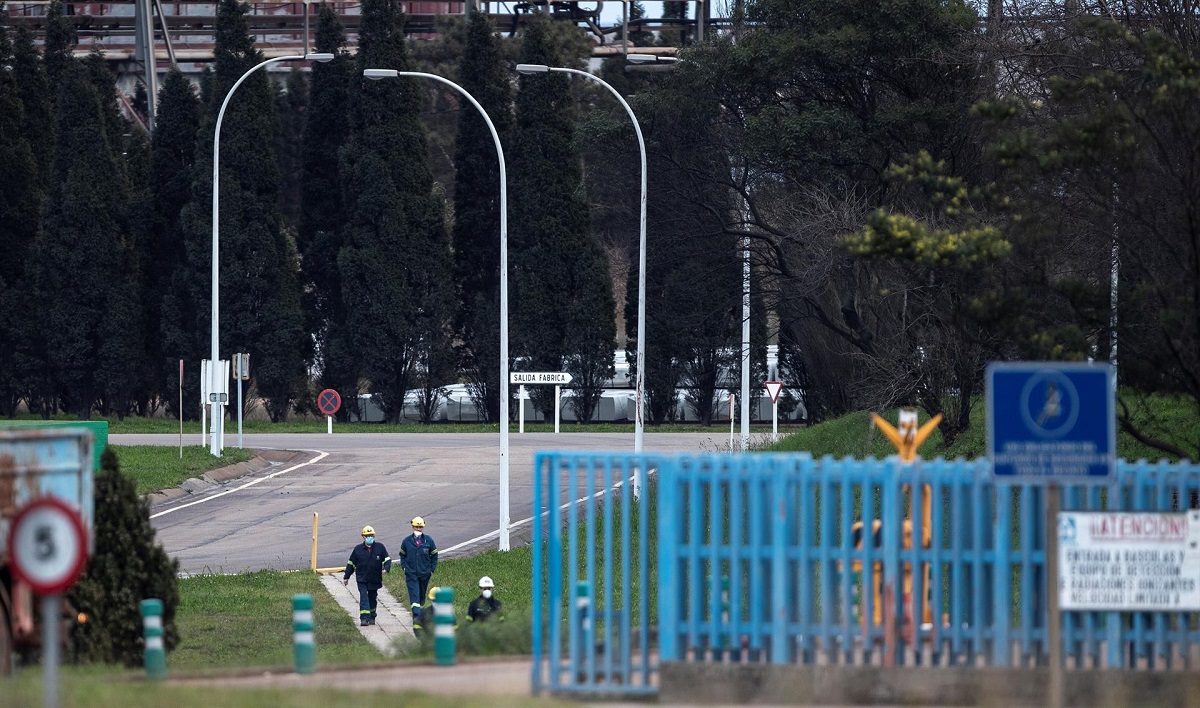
504,503
640,386
215,371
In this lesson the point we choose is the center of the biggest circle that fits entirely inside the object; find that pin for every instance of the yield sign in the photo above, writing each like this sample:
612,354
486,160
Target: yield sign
773,389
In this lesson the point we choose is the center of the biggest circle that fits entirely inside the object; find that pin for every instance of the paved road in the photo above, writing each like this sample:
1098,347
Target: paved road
452,479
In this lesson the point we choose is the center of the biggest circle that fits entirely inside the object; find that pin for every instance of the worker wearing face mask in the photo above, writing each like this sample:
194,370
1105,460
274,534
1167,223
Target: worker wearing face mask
418,557
368,561
486,605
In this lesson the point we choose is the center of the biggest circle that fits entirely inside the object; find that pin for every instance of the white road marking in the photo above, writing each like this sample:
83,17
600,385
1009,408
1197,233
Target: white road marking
322,455
562,507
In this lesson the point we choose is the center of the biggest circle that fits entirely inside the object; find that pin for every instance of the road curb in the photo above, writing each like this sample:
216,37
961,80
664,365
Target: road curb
262,460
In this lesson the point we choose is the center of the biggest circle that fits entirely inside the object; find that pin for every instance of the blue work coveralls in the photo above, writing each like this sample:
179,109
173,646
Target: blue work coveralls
418,557
368,563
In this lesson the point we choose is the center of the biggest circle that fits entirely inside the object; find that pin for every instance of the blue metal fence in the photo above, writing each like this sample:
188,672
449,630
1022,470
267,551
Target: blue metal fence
788,559
592,585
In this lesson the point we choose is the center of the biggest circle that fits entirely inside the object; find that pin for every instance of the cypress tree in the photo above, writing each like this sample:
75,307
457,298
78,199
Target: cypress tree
173,157
675,10
82,259
396,263
484,74
260,287
141,217
637,35
60,39
323,215
563,301
20,199
291,102
126,568
36,99
693,266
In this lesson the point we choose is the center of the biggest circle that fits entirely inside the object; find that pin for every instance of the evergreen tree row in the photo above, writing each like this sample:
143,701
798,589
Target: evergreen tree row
342,264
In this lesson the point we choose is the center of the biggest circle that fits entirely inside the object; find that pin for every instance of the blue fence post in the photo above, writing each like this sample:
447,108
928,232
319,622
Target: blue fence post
303,647
779,571
668,562
536,619
891,528
152,631
1002,576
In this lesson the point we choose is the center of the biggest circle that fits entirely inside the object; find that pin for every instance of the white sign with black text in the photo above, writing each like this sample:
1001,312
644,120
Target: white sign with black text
539,377
1129,561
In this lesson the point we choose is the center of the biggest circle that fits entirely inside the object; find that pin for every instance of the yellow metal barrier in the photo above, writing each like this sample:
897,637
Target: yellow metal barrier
313,564
907,438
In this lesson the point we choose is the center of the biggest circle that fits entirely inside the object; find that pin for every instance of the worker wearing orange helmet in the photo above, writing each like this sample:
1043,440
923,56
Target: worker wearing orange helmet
368,561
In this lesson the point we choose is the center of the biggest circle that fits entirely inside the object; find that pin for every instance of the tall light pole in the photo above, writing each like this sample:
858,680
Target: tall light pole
640,386
215,371
504,504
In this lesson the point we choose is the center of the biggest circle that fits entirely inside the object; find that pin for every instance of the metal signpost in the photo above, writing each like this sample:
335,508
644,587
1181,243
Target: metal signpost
241,372
773,389
524,378
1050,422
732,420
205,380
181,409
209,395
47,543
328,402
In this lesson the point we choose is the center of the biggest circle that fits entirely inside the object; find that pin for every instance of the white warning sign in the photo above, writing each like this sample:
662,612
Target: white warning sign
1129,561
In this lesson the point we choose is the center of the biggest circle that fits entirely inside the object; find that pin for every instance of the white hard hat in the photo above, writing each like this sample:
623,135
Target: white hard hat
486,582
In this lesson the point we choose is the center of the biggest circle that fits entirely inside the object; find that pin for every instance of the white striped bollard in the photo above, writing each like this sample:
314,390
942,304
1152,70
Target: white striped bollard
583,614
152,631
304,649
443,627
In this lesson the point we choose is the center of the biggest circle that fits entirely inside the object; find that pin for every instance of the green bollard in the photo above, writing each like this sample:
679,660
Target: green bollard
152,630
304,650
726,617
443,627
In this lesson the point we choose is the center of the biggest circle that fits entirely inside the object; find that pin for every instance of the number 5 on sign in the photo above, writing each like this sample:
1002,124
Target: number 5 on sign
48,545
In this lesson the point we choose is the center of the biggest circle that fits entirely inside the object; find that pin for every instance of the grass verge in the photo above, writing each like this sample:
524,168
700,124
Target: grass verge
90,689
1168,418
246,620
155,468
514,587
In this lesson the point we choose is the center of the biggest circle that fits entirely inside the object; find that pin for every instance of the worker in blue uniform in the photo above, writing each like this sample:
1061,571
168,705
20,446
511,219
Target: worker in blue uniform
368,562
418,557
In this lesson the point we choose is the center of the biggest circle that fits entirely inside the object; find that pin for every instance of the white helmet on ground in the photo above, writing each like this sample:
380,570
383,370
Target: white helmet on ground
486,582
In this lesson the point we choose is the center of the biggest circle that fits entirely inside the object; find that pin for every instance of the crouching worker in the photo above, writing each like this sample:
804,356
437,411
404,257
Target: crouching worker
368,561
426,619
485,605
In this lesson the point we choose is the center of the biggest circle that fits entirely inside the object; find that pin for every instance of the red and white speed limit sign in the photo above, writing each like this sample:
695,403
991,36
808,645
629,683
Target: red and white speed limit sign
48,545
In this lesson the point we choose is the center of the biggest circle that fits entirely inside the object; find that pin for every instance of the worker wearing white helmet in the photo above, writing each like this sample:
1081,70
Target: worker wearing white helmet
368,562
418,557
486,604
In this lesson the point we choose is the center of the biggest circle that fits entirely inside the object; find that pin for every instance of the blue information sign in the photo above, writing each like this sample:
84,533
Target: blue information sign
1051,422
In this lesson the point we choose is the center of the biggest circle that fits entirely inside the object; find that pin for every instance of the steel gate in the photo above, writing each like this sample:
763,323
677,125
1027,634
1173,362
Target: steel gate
593,588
